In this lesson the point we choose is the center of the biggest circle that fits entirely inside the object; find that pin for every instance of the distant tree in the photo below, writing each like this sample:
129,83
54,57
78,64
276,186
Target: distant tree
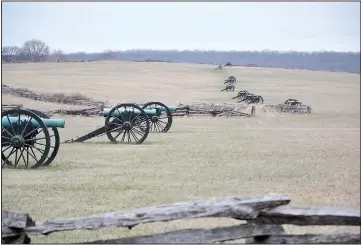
57,55
109,55
35,50
10,53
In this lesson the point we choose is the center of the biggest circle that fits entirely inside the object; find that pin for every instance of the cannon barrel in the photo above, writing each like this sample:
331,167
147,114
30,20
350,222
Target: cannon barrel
50,123
116,113
171,108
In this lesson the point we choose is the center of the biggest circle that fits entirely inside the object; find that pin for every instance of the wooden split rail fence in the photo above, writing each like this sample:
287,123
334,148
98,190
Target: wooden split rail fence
264,215
226,110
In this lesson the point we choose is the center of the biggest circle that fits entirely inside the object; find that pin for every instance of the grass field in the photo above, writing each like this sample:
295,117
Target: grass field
314,158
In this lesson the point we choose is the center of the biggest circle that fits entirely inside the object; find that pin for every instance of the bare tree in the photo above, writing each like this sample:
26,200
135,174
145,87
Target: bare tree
10,53
35,50
57,55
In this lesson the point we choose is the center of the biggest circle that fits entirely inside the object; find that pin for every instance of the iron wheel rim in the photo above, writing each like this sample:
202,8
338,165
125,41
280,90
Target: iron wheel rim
53,151
138,130
27,133
163,112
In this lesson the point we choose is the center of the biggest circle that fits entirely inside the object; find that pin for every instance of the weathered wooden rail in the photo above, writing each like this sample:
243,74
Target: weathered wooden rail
264,215
215,110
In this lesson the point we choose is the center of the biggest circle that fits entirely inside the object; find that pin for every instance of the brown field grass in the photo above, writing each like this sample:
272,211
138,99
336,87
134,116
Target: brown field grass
315,158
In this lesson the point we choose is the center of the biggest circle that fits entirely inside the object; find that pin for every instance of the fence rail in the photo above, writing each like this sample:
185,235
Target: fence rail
265,216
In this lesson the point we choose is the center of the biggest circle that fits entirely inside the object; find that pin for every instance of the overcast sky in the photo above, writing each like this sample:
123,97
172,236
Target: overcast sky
95,27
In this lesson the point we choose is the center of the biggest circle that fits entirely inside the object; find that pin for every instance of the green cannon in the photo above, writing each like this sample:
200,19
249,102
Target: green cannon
29,137
58,123
131,123
171,108
122,111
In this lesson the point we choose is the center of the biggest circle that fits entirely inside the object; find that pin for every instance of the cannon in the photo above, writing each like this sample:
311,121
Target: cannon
295,106
132,122
230,80
29,137
292,106
252,99
241,94
229,87
293,102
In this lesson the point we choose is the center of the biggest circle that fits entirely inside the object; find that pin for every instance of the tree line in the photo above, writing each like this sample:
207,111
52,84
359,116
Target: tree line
32,51
38,51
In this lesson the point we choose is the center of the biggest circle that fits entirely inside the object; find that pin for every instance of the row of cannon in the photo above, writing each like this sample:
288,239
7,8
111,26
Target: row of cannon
32,138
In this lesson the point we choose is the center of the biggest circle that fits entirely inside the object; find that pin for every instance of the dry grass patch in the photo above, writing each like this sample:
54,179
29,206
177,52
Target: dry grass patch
314,158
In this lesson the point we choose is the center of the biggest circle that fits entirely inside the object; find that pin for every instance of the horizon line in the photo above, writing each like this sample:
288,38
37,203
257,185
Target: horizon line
212,50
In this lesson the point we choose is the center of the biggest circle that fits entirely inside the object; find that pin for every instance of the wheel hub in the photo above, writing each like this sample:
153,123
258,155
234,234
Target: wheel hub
127,125
17,141
154,119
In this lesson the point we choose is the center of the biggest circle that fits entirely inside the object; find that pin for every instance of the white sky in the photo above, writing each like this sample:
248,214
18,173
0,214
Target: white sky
96,26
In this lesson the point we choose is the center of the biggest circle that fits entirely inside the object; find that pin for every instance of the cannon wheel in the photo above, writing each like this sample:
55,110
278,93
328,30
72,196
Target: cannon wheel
24,138
162,121
260,99
131,124
53,148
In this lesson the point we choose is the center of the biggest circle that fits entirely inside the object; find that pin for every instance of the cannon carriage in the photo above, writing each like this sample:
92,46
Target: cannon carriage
241,94
249,98
29,138
252,99
292,106
229,87
131,123
230,84
230,80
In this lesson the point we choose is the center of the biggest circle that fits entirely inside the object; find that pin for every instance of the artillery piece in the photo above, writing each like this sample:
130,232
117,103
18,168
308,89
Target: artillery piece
230,80
133,122
28,136
293,106
229,87
251,99
241,94
293,102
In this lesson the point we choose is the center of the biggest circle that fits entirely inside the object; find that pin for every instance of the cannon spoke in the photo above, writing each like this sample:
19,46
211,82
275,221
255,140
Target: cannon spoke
11,126
31,154
4,130
26,126
5,144
4,137
123,136
121,131
6,159
116,129
25,162
120,115
128,133
140,132
160,125
134,136
21,152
